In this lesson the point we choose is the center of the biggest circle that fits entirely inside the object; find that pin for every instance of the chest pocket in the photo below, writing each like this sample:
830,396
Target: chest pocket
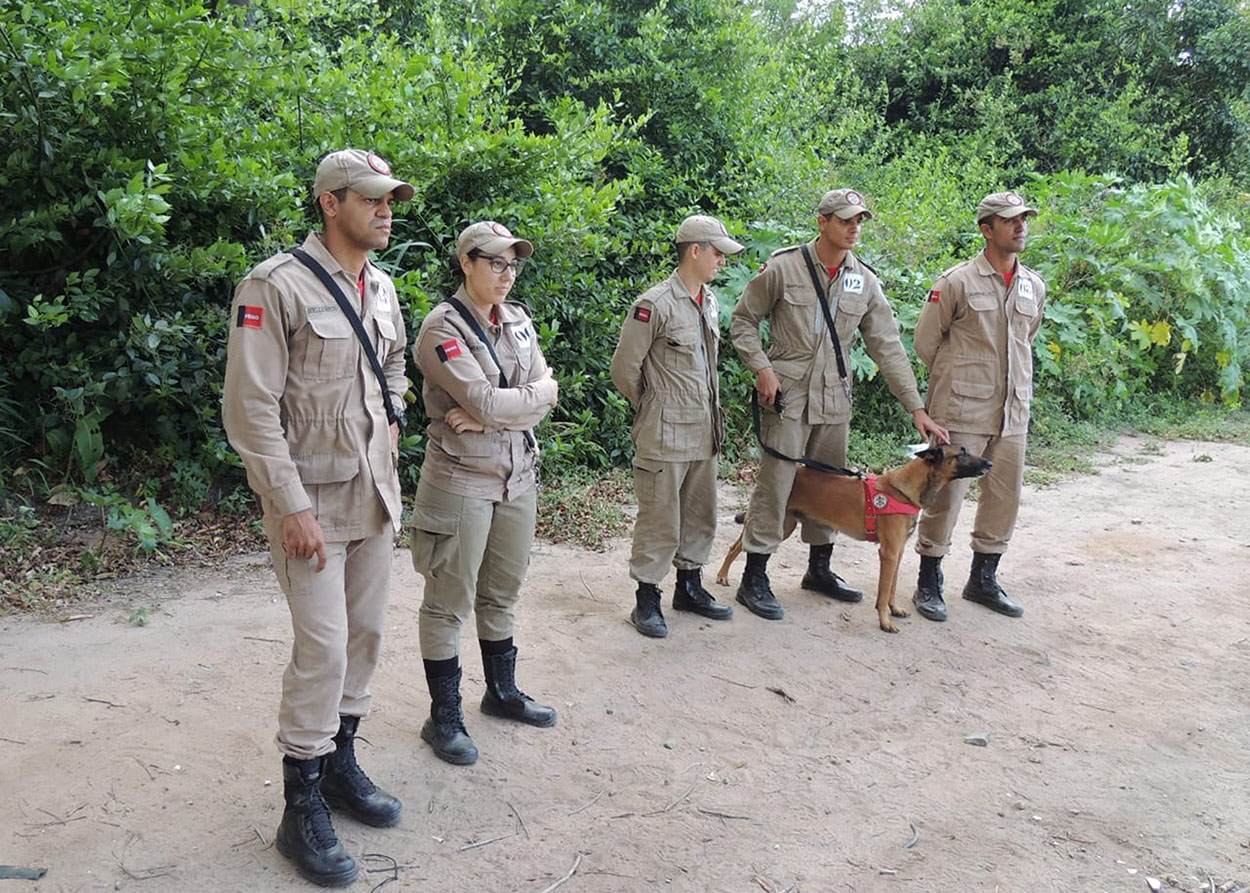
796,322
386,327
851,308
329,347
984,302
683,347
518,344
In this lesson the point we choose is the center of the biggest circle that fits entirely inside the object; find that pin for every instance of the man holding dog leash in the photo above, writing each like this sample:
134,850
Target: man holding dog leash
976,336
818,298
312,403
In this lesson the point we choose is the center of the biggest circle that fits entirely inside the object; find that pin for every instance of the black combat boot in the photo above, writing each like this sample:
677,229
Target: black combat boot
691,596
819,578
305,835
983,586
928,594
646,616
754,591
444,730
505,700
346,786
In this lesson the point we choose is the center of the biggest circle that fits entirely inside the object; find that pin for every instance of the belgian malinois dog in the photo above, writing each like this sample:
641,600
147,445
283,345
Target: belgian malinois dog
862,509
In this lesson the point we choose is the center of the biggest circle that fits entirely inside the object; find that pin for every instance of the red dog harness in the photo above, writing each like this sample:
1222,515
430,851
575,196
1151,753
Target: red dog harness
877,502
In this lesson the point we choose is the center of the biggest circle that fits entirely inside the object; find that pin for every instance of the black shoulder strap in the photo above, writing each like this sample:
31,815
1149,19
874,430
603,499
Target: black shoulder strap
394,416
833,331
476,327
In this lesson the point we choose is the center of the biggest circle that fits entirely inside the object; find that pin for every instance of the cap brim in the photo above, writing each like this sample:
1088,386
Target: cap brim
376,187
852,211
1012,213
500,245
726,245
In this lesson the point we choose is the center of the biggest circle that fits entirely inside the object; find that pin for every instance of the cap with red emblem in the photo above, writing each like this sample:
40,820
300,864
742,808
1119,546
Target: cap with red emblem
1003,204
490,237
364,172
844,203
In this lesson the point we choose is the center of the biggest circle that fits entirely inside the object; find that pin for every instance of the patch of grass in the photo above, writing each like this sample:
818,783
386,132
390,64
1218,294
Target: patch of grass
1172,421
585,508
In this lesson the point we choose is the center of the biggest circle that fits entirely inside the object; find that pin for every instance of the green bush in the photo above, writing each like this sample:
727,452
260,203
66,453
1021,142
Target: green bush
152,152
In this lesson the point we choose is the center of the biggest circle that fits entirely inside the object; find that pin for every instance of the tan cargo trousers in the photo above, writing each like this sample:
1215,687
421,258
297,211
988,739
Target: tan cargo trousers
473,554
676,517
336,617
766,513
996,509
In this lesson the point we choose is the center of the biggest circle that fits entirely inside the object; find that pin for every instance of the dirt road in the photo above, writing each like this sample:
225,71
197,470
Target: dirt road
814,754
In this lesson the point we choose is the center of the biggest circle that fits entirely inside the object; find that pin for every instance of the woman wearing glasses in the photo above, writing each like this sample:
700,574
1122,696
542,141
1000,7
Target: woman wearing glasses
486,385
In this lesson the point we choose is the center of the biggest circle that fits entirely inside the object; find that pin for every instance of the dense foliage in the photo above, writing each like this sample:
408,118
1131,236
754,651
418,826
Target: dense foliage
150,152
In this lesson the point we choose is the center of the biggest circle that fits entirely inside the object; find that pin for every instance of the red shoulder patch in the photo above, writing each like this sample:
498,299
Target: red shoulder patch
250,317
642,314
935,296
448,350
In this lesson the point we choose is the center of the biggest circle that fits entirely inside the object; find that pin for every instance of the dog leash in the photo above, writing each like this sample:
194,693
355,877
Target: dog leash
814,464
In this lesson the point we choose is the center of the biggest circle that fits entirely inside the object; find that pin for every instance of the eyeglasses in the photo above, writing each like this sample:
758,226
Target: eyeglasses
499,265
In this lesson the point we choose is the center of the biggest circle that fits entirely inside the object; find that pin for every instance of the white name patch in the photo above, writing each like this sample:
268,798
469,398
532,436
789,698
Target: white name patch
853,283
1026,288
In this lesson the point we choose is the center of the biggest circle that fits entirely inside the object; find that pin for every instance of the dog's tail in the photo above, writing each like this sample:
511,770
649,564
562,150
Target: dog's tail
740,517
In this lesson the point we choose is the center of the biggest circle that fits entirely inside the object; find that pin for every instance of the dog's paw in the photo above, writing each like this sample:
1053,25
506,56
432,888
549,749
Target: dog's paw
723,580
887,626
898,612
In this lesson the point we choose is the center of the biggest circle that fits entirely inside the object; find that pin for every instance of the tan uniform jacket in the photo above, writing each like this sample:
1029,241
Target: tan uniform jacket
458,371
976,337
801,352
665,365
301,405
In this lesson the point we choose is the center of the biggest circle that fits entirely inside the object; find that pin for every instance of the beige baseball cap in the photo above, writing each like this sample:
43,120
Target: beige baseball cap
363,172
845,203
1004,204
490,237
700,228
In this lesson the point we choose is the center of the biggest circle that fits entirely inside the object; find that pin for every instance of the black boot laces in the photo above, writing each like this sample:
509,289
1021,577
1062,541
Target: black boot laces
345,765
318,822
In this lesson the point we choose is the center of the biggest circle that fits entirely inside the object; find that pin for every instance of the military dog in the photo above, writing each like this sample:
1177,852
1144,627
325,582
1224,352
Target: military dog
877,509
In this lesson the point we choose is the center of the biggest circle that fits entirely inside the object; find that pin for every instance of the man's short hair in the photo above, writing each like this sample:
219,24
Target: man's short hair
683,248
340,194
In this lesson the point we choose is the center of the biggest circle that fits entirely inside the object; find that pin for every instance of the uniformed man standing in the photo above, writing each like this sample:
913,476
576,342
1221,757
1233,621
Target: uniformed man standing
486,385
813,381
976,336
665,365
304,409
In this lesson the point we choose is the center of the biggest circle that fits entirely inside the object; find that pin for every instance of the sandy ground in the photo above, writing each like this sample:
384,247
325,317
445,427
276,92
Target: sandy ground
140,758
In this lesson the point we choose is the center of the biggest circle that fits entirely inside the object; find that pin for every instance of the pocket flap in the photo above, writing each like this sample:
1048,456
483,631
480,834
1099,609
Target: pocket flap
984,300
683,337
330,325
435,520
685,415
799,295
976,389
469,443
330,468
386,328
852,305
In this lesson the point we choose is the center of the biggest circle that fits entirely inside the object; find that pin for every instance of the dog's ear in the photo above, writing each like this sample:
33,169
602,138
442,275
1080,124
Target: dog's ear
933,455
